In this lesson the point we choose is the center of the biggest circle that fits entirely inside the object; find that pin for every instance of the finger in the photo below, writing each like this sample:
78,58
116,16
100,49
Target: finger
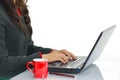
69,54
64,57
60,59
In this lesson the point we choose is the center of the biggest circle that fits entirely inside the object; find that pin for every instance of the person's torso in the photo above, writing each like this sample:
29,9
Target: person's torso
15,39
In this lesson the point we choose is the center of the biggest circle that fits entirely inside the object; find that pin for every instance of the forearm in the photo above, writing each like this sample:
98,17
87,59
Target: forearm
33,48
10,63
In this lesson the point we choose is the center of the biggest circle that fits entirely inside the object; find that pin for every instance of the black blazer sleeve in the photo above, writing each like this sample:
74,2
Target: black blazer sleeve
32,48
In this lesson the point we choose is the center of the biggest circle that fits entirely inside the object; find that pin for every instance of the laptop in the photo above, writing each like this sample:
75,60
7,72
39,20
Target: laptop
82,62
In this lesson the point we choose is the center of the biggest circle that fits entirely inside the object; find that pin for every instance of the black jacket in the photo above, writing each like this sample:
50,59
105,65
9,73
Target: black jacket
15,48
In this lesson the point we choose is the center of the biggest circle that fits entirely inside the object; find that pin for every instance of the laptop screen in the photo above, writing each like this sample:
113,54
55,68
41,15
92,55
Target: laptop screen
99,46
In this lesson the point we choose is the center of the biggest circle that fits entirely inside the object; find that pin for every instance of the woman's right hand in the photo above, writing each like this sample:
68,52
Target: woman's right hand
59,55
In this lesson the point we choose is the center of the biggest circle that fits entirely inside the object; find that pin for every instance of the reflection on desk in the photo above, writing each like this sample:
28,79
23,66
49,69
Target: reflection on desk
91,73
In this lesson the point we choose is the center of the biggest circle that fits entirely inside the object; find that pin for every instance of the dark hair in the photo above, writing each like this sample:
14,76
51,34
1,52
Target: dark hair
10,7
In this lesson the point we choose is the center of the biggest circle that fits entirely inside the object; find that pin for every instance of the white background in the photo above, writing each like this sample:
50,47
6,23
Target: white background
75,25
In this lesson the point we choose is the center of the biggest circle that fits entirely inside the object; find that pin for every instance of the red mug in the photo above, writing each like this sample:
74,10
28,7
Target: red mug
40,67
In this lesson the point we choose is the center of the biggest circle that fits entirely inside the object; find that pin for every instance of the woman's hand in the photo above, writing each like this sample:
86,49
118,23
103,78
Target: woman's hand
59,55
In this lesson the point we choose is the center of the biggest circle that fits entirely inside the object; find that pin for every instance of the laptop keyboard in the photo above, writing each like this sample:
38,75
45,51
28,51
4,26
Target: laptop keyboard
57,63
71,64
80,60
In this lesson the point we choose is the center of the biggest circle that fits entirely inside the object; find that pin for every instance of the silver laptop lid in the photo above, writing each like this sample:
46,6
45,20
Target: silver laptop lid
99,46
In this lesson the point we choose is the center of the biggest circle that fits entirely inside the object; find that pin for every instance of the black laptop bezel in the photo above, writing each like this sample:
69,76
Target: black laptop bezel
87,59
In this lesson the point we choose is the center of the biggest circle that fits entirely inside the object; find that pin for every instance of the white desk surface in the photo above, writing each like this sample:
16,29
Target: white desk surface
92,73
108,69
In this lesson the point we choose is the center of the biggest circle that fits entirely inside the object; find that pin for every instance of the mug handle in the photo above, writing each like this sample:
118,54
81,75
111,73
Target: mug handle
28,63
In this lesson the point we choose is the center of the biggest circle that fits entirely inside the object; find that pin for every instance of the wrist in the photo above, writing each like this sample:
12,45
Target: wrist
43,56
